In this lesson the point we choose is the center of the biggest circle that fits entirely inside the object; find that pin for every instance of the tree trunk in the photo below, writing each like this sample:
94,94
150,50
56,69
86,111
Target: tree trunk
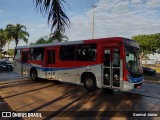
16,42
8,48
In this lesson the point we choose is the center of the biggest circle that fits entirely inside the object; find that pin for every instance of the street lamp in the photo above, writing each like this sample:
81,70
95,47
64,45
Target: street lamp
93,7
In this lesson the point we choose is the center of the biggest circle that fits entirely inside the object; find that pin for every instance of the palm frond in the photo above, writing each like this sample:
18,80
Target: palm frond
54,9
2,38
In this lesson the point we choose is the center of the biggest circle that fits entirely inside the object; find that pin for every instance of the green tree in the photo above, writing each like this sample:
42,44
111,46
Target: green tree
2,38
55,12
8,36
148,43
41,40
2,41
17,32
53,38
58,37
10,52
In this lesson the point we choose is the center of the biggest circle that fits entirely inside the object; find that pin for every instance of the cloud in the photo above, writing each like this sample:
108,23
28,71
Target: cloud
136,2
124,18
153,3
121,7
36,26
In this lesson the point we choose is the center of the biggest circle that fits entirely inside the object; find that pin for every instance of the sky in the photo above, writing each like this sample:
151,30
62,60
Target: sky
124,18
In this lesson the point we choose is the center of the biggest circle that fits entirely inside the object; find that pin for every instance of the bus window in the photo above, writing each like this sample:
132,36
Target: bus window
107,58
40,54
67,52
17,54
37,53
116,58
86,52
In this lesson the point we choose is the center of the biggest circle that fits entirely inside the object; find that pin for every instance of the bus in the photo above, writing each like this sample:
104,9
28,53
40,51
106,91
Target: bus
112,63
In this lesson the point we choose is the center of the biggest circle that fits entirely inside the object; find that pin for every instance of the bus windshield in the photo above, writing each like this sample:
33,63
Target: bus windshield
132,52
132,59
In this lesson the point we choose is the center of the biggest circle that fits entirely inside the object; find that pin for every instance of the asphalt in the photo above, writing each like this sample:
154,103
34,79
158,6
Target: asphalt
24,95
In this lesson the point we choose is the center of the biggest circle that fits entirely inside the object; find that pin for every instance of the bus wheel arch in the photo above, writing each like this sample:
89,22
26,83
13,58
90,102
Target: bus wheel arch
33,74
89,81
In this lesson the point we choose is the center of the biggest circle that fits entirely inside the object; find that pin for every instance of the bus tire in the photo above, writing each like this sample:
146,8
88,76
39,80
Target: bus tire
33,74
90,83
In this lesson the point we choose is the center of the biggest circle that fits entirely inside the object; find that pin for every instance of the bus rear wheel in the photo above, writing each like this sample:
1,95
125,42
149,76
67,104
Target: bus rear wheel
33,75
90,83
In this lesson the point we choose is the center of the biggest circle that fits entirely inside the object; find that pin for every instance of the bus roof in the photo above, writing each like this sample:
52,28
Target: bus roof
74,42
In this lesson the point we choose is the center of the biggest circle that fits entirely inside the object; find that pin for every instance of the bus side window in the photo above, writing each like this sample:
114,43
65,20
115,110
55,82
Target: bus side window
37,53
17,54
67,53
31,54
86,52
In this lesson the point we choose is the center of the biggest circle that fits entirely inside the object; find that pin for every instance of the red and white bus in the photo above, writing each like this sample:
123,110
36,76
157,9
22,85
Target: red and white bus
104,63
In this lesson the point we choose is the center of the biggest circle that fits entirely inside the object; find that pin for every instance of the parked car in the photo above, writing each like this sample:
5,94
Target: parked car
149,71
5,66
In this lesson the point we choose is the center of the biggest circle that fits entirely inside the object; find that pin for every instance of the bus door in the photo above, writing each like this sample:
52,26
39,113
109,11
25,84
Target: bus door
24,61
112,72
50,64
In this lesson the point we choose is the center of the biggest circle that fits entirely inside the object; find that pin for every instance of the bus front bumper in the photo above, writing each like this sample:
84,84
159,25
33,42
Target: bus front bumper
126,86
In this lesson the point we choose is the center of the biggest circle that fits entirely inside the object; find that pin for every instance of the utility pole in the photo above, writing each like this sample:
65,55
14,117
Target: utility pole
93,7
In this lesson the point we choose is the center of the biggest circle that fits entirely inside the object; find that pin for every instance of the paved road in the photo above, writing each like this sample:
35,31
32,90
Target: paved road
28,96
10,76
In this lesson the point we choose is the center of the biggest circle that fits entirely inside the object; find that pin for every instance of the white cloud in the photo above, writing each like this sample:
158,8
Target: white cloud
153,3
136,2
124,18
121,7
118,18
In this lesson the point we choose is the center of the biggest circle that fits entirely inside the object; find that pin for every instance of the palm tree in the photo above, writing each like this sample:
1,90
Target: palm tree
17,32
56,15
2,40
58,37
39,41
8,36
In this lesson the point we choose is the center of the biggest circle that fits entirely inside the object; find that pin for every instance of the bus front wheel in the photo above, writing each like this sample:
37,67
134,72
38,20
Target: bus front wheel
90,83
33,75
